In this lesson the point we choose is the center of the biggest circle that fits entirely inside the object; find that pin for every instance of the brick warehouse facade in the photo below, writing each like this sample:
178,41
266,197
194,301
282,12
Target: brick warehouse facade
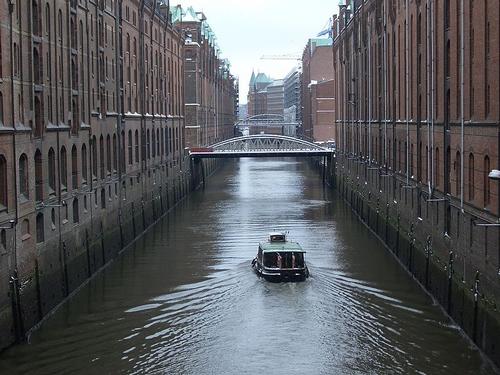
402,93
211,90
91,142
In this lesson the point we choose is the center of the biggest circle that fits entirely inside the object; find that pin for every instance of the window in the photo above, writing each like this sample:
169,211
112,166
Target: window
94,157
486,181
102,156
2,122
137,146
158,142
108,154
103,198
130,147
436,168
3,182
25,228
154,143
52,170
471,176
115,153
148,146
76,212
458,173
38,118
40,230
23,176
64,168
38,176
74,168
84,164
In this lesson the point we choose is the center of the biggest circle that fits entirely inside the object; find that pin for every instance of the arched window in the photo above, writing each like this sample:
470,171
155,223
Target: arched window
101,156
486,181
115,153
94,156
47,20
76,212
23,176
64,168
163,141
40,228
130,147
471,177
108,154
38,176
36,18
74,168
458,173
137,146
3,182
128,44
52,170
154,143
84,164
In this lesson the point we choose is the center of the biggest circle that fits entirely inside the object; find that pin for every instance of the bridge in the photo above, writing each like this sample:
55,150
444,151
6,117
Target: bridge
261,145
268,122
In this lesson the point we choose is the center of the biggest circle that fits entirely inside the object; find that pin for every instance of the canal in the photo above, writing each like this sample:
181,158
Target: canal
184,300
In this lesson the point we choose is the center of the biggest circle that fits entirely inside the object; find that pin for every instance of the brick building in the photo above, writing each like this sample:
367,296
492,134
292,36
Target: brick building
257,94
323,110
418,119
91,142
317,67
211,90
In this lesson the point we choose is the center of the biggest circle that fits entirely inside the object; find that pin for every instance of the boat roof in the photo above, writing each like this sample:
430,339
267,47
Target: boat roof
288,246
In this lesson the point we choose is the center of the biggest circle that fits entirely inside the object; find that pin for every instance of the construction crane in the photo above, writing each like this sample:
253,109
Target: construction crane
281,57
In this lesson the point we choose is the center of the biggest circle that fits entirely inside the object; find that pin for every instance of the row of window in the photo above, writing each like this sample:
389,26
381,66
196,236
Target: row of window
399,163
158,142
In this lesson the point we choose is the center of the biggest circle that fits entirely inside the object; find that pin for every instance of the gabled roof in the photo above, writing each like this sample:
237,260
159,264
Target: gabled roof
263,78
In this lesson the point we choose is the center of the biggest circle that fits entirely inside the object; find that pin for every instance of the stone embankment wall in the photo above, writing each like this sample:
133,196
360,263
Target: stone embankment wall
459,268
66,260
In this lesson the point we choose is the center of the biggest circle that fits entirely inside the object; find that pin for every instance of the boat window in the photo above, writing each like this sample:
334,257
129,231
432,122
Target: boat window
288,260
277,238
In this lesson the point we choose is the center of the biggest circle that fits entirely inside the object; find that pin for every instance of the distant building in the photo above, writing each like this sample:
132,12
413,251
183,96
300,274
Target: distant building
257,94
323,110
275,98
317,67
292,85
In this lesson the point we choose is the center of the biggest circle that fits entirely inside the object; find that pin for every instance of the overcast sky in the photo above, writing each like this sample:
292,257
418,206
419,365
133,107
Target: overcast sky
248,29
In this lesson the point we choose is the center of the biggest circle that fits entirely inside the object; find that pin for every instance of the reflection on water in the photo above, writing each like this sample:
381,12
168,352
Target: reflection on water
184,300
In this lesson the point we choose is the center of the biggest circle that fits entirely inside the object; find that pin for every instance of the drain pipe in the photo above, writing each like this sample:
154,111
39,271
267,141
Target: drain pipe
385,84
433,88
429,148
462,104
369,95
407,97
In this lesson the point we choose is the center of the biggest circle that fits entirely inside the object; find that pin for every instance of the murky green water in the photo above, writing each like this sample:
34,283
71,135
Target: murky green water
184,300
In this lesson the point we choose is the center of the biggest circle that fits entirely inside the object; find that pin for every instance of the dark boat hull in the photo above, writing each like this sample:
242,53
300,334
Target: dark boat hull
285,275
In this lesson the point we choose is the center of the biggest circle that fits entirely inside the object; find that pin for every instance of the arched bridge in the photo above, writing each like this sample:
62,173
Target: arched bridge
261,145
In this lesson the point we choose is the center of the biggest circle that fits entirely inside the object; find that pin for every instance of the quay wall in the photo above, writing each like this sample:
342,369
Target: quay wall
73,252
458,268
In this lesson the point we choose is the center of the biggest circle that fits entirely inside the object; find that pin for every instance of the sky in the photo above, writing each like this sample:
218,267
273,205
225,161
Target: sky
249,29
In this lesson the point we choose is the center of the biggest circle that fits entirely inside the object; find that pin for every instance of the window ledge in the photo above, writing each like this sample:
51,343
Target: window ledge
25,237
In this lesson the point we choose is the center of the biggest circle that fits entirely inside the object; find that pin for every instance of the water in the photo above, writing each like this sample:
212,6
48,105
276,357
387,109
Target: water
184,300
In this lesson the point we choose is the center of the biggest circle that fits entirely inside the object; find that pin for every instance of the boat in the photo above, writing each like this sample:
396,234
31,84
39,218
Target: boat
279,259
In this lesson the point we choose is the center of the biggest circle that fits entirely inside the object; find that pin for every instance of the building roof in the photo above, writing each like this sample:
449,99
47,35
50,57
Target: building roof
263,78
